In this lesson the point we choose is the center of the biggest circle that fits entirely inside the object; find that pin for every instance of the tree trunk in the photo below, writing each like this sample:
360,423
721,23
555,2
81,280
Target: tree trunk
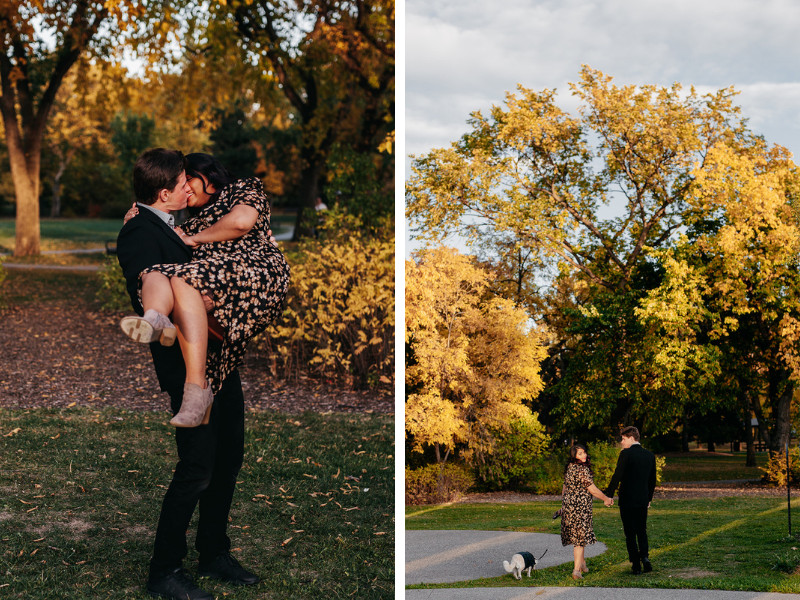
309,190
744,402
685,433
781,414
26,186
55,208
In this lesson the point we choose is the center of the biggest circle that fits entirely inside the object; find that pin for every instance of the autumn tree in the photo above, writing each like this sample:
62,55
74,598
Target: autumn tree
475,357
588,196
80,118
729,303
41,41
334,62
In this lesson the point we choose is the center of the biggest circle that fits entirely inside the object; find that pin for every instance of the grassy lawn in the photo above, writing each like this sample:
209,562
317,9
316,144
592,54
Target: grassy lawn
736,543
65,234
80,491
77,234
702,466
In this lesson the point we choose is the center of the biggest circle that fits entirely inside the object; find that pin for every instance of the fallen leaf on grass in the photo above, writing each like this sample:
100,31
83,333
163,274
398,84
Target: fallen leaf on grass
286,541
14,431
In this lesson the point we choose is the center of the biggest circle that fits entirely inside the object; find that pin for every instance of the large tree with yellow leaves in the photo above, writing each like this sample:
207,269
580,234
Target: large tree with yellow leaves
475,356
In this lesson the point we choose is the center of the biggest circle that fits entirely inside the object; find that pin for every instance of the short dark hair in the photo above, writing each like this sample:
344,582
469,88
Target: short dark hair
199,163
630,431
155,170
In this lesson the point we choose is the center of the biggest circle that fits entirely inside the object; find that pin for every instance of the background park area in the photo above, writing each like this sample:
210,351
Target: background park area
300,95
619,254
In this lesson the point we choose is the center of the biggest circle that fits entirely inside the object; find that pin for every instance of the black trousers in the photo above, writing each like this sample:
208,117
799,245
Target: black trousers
634,524
209,459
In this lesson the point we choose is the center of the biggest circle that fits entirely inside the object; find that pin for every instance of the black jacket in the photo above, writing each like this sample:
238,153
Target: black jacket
145,241
636,477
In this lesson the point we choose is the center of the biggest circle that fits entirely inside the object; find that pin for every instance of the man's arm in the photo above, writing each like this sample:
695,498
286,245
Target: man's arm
651,482
617,476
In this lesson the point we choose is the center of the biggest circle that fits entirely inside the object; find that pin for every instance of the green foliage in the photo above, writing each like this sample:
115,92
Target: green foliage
788,562
233,139
362,184
339,320
775,469
112,295
510,463
437,483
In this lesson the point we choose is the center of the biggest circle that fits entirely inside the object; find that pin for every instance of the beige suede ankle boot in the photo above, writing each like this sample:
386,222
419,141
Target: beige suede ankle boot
196,406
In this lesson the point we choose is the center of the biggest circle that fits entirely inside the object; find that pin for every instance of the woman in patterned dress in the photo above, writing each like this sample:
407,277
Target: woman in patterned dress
576,507
237,280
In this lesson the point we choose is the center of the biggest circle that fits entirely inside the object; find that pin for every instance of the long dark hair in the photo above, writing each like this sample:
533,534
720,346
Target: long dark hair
199,163
573,457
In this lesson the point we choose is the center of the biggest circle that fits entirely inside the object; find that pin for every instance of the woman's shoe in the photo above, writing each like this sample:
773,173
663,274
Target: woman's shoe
195,407
152,327
584,569
577,575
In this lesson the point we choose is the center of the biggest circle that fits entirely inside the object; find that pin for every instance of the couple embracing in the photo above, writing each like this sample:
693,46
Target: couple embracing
221,280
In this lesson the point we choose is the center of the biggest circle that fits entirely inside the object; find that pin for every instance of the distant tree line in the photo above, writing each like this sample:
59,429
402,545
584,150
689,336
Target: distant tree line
301,94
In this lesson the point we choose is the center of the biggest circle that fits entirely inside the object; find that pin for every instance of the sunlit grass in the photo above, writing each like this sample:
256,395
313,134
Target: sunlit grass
736,543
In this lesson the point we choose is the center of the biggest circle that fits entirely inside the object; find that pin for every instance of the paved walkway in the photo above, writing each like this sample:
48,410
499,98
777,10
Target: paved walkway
450,556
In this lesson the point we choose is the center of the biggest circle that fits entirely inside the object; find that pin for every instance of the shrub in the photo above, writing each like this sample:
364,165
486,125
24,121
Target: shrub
511,462
437,483
112,295
339,320
775,471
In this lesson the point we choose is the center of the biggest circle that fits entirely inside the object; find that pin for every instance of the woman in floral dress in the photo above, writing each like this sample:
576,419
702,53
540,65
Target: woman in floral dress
237,279
576,507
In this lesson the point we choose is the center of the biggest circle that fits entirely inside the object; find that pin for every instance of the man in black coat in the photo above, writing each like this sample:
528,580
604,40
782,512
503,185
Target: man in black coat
636,477
209,456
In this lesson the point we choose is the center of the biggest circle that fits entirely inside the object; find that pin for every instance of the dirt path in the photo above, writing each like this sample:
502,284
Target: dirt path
55,353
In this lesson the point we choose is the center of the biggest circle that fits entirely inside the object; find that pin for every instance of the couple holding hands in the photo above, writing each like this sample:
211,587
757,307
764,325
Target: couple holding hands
635,475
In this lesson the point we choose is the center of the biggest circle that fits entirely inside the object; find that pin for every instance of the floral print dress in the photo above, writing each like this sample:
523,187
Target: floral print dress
577,528
247,278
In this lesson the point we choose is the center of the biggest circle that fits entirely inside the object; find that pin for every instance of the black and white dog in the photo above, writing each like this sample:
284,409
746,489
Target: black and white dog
521,562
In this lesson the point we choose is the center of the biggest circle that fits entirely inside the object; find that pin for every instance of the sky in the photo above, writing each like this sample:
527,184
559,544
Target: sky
464,55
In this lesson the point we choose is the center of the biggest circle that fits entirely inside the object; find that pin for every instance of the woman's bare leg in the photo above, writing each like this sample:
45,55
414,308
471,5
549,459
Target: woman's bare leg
189,314
577,554
157,293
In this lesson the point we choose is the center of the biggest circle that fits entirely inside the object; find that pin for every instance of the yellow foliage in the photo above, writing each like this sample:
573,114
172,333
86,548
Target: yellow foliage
475,357
339,320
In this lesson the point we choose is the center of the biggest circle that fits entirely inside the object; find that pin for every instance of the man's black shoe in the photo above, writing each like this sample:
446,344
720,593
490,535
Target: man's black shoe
226,568
177,585
636,569
646,566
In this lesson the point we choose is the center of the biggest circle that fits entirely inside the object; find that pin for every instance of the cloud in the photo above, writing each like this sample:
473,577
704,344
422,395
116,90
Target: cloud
464,55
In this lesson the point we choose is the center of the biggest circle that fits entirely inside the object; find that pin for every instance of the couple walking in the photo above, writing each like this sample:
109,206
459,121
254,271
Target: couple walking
222,281
635,475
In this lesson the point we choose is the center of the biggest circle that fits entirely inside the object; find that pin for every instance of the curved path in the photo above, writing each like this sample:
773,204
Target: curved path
448,556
